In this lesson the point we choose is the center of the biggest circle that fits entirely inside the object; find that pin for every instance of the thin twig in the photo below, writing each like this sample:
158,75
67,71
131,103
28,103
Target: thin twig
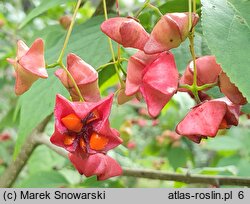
192,51
45,141
111,46
201,179
99,9
59,60
160,175
11,173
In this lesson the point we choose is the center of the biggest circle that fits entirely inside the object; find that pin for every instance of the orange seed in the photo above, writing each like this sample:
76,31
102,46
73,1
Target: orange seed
95,116
98,142
82,144
68,139
72,122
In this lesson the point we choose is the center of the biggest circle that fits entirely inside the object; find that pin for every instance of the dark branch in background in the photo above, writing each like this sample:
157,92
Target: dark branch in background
83,3
11,173
37,137
159,175
44,140
27,5
201,179
99,9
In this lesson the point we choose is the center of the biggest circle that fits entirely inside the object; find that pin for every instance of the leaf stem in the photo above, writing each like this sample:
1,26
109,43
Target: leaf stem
72,80
121,68
194,6
59,60
206,86
100,68
53,65
117,7
185,86
189,14
142,8
111,46
198,88
192,51
156,10
118,45
145,5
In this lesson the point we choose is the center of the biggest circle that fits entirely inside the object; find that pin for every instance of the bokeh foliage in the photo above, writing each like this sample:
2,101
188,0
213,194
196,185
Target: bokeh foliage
148,143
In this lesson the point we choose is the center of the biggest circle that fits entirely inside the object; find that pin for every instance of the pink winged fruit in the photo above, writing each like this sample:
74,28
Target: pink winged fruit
169,32
98,164
29,65
83,128
85,76
205,119
125,31
155,77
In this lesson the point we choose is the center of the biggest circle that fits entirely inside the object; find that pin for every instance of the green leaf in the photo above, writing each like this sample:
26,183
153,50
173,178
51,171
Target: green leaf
226,29
246,108
87,41
243,167
8,120
221,170
227,161
92,182
177,157
106,74
43,7
241,164
215,92
182,53
119,114
241,134
174,6
44,159
149,18
72,175
229,170
44,179
36,104
50,34
223,143
242,8
107,79
5,155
